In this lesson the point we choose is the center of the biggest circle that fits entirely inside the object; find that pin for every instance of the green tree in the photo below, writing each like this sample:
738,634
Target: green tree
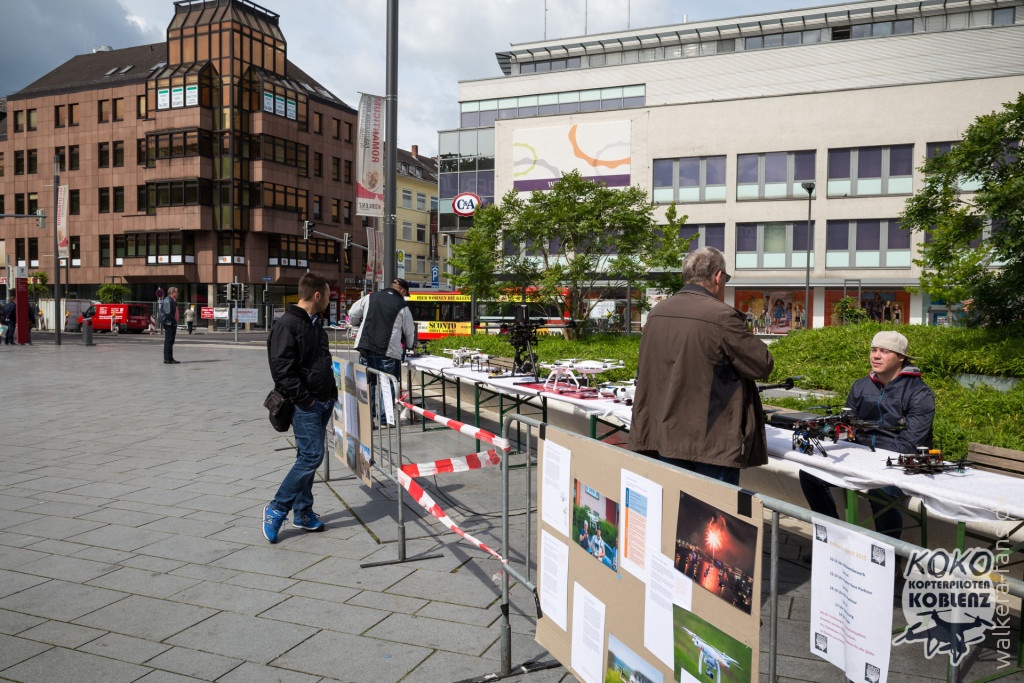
567,243
112,292
38,285
972,208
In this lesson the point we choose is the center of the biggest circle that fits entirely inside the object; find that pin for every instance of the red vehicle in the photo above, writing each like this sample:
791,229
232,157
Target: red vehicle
117,317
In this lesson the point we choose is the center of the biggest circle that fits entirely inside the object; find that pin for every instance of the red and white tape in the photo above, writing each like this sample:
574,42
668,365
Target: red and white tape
428,504
468,430
473,461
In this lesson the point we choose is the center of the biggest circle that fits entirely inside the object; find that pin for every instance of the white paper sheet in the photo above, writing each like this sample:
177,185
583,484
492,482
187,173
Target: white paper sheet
658,598
389,401
555,493
640,530
851,601
587,635
554,584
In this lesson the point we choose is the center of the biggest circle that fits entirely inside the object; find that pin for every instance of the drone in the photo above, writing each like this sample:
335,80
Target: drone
808,433
944,635
927,461
570,370
711,658
620,392
461,355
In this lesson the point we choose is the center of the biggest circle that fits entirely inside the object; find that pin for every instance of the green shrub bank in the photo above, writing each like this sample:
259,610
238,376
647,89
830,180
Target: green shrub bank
832,358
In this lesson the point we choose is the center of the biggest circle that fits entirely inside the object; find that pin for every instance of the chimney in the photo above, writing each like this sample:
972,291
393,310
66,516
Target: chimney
415,150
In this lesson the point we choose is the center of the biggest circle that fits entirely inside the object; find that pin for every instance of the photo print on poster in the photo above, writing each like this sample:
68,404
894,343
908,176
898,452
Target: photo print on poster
717,550
626,665
707,654
595,524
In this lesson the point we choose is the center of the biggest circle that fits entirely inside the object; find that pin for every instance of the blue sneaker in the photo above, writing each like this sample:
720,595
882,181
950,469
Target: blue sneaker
272,521
309,520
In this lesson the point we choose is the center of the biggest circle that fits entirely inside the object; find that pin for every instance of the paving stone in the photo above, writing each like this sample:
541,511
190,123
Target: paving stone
449,666
345,572
120,537
334,616
14,650
261,582
142,582
67,568
434,633
222,596
267,559
189,549
353,658
60,600
13,582
201,665
59,665
459,588
256,673
59,633
388,602
124,648
54,527
147,618
447,611
321,591
204,572
167,677
243,637
13,623
105,555
60,509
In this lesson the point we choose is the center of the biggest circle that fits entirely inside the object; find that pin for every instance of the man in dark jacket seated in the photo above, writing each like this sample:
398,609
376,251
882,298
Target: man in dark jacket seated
894,396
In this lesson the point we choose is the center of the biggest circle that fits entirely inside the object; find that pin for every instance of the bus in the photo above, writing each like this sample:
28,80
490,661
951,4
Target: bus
448,314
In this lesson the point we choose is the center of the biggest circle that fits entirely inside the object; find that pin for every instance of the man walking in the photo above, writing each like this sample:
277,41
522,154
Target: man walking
169,323
11,316
696,404
300,363
385,323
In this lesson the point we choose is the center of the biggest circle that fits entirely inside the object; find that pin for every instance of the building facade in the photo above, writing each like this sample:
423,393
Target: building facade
416,219
189,163
755,126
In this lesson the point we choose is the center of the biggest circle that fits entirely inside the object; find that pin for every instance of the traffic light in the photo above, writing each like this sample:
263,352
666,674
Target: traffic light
228,293
307,228
41,220
243,292
266,295
346,241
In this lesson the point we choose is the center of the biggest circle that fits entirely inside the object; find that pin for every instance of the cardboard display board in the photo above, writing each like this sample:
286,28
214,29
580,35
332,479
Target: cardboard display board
352,423
646,572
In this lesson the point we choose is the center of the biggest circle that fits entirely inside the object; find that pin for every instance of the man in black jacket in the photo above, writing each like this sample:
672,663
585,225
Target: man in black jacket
300,363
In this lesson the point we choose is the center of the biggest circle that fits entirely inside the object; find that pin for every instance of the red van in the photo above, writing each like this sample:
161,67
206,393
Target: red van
127,317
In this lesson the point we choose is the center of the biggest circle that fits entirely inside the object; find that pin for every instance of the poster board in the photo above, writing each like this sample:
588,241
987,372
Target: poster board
352,426
712,634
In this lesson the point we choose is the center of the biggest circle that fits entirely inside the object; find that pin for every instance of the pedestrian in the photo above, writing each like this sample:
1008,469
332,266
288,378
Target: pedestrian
385,324
895,398
190,318
696,404
169,323
32,319
300,363
11,316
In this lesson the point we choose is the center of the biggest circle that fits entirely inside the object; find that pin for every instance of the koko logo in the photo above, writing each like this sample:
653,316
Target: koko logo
949,600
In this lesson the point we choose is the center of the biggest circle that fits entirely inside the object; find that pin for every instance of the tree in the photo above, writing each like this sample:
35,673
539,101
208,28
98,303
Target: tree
112,292
567,243
975,250
38,285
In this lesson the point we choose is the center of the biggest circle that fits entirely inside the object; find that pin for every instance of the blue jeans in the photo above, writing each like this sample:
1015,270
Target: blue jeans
392,367
729,475
818,493
309,427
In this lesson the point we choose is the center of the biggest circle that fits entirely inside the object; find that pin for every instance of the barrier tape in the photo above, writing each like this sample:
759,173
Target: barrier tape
427,503
473,461
468,430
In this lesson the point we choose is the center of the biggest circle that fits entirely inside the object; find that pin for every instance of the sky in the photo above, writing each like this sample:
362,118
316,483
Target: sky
342,43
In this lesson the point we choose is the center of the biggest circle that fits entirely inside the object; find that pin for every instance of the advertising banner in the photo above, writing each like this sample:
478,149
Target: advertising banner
378,273
600,151
62,222
191,95
163,98
370,157
177,96
371,252
352,424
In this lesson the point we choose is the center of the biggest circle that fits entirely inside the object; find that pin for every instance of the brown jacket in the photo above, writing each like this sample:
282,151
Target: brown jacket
695,395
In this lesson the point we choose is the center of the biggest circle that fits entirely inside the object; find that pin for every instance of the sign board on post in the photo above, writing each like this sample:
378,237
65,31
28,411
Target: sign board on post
435,276
401,263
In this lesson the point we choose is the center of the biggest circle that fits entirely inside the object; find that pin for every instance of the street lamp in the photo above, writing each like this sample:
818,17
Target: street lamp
809,188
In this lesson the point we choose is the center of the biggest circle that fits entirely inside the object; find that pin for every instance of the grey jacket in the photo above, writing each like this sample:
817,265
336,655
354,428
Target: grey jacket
385,323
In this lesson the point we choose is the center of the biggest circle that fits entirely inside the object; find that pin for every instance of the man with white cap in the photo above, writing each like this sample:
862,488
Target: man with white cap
894,397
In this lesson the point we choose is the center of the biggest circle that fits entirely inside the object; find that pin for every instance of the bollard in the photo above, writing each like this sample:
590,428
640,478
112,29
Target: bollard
87,332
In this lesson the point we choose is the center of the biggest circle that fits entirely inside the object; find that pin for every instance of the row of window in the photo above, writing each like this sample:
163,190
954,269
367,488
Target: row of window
420,234
421,200
486,112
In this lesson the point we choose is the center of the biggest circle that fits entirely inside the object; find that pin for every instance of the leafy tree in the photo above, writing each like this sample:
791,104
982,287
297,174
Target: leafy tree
38,285
846,311
975,253
112,292
566,242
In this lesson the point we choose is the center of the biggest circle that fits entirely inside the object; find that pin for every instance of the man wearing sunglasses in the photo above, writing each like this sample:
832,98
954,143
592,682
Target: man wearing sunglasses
697,406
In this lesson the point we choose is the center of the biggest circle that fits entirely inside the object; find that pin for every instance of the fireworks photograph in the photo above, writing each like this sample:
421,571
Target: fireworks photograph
716,550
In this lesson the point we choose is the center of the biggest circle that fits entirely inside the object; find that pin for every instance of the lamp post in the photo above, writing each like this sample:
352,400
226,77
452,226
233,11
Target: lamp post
809,188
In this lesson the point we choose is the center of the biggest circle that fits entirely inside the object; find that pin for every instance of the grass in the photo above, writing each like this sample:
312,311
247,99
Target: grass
832,358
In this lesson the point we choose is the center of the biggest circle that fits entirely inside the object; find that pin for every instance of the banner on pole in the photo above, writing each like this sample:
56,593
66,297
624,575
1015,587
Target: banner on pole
371,252
370,157
62,222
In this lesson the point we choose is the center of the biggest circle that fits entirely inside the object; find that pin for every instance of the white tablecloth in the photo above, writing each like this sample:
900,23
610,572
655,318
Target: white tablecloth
971,496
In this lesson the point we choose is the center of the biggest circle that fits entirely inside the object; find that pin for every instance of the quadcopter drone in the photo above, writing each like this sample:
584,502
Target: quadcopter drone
927,461
570,370
808,433
461,355
620,392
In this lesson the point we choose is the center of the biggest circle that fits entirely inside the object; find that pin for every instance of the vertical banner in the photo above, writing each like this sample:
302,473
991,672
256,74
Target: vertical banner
371,252
370,157
62,222
378,274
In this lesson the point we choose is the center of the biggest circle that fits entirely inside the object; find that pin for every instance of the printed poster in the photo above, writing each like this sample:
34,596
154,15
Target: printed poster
370,156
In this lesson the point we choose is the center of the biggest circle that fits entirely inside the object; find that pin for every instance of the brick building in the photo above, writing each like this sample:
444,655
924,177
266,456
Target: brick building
189,163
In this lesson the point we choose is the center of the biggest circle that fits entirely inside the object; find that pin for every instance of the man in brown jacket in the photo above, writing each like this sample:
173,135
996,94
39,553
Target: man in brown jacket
696,404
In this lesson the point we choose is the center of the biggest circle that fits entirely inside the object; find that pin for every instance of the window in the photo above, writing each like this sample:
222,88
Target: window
867,171
104,250
73,114
73,158
317,201
348,172
104,200
335,211
75,251
104,155
31,121
3,208
103,111
773,245
118,106
19,162
335,129
32,162
938,148
1004,16
62,158
421,201
19,203
74,202
421,232
118,153
33,252
318,120
421,265
876,244
407,231
773,175
32,202
335,169
141,106
1,164
347,212
59,116
119,200
318,164
406,199
19,121
689,180
348,131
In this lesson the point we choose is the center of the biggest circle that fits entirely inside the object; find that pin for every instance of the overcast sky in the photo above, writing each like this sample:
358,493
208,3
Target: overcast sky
341,43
